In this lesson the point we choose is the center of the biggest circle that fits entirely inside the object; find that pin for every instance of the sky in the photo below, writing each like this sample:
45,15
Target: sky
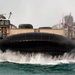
39,13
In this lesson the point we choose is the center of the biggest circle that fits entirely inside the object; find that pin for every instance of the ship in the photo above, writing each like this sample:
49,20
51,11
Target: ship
27,39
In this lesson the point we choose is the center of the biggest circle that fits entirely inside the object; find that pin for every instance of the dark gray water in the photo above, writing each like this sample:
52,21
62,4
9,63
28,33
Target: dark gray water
12,63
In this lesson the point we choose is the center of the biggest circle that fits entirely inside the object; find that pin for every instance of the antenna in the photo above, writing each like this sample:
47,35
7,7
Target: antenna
70,13
10,15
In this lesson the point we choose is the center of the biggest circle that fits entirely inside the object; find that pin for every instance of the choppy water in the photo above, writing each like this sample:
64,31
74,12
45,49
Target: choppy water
32,69
12,63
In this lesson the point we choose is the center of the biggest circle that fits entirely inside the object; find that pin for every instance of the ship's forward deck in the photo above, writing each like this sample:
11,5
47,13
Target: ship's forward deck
62,32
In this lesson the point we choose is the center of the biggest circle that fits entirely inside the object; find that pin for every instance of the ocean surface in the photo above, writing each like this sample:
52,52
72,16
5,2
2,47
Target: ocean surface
12,63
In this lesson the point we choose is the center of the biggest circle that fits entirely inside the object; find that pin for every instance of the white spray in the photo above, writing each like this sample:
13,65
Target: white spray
33,58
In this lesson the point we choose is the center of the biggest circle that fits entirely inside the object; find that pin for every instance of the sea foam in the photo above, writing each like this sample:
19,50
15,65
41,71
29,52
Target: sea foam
38,58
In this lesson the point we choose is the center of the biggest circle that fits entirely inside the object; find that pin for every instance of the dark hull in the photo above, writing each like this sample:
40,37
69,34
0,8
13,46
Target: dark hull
34,43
